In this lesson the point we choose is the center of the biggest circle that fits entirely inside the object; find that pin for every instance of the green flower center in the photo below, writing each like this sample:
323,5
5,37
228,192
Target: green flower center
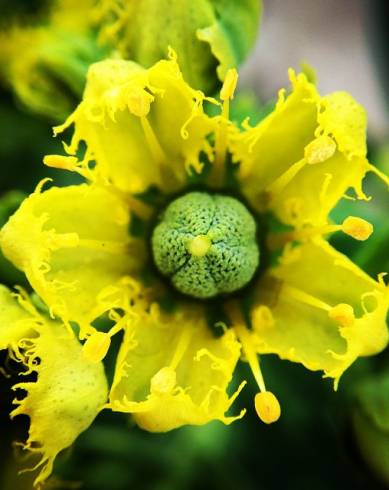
206,244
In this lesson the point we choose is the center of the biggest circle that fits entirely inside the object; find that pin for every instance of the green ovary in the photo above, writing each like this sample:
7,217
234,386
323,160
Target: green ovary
206,244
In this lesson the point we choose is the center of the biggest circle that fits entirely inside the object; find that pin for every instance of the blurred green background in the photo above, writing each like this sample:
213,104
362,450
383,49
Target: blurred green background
324,440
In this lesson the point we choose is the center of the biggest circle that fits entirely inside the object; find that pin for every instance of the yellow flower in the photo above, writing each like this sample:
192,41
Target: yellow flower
171,225
209,36
46,62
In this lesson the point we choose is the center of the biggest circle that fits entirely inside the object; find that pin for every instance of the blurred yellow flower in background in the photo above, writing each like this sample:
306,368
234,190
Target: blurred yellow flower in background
45,59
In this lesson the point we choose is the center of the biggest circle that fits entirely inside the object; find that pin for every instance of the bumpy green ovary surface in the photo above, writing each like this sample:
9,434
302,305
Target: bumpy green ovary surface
206,244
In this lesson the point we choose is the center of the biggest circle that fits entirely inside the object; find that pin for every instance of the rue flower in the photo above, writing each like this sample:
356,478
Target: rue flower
154,160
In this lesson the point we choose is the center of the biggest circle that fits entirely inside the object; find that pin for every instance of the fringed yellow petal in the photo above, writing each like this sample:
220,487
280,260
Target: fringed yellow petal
300,160
268,150
325,311
73,245
69,391
172,371
16,322
142,127
64,401
345,120
339,157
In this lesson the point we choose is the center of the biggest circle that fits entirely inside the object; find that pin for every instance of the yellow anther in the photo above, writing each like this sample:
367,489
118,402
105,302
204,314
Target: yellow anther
357,228
199,246
60,161
139,103
267,407
262,317
343,314
164,381
96,346
320,150
229,85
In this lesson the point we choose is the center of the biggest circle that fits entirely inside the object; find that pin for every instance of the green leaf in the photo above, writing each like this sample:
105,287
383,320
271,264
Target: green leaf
209,36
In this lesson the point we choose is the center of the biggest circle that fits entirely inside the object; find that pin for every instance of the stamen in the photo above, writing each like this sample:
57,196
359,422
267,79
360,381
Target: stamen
343,314
165,172
139,103
155,148
250,354
61,161
229,85
72,240
379,174
320,150
262,318
98,343
226,94
96,346
357,228
142,209
165,380
267,407
104,246
63,240
266,403
181,348
305,298
283,180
